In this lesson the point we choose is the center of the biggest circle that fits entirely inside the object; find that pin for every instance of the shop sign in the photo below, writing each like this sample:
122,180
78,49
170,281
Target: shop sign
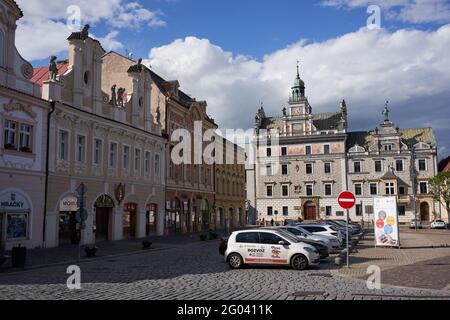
68,204
13,201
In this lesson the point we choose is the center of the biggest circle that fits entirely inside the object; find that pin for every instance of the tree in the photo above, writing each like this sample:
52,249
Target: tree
440,190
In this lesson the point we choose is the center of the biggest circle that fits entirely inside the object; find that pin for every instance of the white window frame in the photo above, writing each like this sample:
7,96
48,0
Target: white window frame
360,167
420,184
310,148
157,168
99,161
312,189
329,148
25,133
116,154
403,165
331,167
418,165
375,166
267,189
288,192
312,168
370,188
391,186
126,164
77,150
325,189
137,161
147,162
362,189
66,146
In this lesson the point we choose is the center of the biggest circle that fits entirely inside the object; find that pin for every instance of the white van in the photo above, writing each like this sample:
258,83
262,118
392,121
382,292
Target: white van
269,247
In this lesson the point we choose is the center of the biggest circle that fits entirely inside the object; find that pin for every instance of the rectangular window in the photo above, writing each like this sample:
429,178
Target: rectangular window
284,169
268,170
388,147
126,157
283,151
378,166
402,190
328,189
63,145
327,167
113,155
358,189
374,189
269,191
401,210
285,211
422,165
309,190
423,188
399,165
147,163
137,161
309,168
269,211
308,150
285,190
326,149
25,137
328,211
390,188
269,152
10,134
357,166
359,210
157,165
81,149
17,226
98,151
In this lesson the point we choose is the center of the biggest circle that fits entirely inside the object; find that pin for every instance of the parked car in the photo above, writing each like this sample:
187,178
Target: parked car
438,224
415,223
331,241
324,229
353,228
322,247
269,247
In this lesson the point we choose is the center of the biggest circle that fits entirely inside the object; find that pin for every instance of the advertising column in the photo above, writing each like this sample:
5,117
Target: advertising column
386,222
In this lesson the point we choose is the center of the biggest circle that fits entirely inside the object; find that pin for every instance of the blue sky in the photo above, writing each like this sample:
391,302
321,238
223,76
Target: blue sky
235,54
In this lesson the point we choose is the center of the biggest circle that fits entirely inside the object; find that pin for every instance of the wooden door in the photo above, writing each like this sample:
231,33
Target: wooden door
102,224
310,213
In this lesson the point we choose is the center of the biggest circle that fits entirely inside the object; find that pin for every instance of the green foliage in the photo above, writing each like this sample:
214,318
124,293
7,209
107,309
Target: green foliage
440,188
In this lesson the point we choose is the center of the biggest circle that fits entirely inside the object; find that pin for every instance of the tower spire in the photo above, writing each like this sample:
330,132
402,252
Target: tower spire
298,70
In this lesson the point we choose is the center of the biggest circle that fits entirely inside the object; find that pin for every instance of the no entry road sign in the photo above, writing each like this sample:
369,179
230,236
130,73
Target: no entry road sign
347,200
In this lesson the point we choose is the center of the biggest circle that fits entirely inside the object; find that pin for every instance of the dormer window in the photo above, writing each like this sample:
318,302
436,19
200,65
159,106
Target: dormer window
388,147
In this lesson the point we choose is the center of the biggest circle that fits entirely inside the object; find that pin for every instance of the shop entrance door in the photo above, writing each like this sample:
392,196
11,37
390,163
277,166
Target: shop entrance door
67,228
102,223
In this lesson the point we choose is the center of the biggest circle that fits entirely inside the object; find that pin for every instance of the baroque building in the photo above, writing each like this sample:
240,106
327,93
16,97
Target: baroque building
23,143
230,200
107,153
317,157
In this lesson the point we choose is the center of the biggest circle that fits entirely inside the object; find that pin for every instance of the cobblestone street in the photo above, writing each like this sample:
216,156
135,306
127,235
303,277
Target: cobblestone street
193,271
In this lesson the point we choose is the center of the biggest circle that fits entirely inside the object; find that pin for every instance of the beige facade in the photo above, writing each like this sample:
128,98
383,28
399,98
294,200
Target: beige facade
102,136
316,158
230,203
23,144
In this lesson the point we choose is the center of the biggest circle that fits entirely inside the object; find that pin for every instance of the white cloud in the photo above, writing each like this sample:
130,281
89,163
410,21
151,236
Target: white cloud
48,23
109,42
410,68
412,11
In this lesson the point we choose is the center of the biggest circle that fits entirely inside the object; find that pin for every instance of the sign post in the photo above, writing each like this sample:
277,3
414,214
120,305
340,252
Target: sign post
81,215
347,200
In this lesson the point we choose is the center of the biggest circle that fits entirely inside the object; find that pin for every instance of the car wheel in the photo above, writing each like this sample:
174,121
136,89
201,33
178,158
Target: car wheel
299,262
235,261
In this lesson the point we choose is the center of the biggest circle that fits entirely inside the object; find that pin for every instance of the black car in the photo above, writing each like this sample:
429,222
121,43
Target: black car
322,248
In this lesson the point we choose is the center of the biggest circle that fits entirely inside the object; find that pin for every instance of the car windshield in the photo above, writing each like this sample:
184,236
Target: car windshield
303,230
288,235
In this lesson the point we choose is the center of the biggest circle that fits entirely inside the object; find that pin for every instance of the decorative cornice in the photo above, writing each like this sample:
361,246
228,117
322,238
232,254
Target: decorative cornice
17,106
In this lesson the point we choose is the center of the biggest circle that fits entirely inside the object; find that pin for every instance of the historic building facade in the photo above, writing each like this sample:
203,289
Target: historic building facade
104,144
23,144
189,185
230,201
317,158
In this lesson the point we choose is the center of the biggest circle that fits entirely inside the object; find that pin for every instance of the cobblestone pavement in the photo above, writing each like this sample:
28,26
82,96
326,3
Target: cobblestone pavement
193,271
420,263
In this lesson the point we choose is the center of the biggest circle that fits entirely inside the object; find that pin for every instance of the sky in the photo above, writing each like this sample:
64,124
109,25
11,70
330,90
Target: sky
236,54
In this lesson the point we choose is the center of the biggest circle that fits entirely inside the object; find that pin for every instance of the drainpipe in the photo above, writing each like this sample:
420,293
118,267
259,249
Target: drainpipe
47,156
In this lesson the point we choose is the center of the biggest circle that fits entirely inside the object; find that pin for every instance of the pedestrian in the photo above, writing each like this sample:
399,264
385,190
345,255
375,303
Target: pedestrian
272,223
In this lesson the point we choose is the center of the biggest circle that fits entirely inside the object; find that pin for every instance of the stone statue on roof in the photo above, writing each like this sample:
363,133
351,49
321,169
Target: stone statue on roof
121,97
52,69
158,115
113,100
386,112
85,31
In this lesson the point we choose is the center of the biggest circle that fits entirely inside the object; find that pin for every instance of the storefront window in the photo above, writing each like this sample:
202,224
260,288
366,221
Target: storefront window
16,226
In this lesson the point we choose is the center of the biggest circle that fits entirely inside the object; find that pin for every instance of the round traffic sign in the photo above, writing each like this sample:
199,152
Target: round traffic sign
347,200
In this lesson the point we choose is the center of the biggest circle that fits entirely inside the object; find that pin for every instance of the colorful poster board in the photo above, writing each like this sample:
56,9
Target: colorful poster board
386,222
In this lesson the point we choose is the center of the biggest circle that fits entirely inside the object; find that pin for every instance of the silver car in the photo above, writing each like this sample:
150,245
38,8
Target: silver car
332,241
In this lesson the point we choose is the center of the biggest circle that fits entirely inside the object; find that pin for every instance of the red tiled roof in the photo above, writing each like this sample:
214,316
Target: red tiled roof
41,74
447,167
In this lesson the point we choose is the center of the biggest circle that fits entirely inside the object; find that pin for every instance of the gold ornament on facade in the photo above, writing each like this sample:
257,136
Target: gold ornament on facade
119,193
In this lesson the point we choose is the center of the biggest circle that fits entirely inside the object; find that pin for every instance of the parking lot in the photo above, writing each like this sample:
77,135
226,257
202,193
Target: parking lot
197,271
